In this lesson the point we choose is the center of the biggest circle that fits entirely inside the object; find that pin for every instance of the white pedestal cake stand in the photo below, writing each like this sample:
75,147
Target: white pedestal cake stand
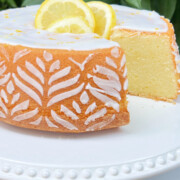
148,146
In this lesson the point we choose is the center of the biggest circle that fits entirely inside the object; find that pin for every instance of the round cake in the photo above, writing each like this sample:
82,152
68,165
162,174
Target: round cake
78,82
59,82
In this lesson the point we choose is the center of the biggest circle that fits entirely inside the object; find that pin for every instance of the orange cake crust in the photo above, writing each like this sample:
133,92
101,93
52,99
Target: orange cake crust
63,90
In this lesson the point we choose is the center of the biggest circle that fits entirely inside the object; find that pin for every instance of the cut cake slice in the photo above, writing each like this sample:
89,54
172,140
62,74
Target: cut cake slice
151,51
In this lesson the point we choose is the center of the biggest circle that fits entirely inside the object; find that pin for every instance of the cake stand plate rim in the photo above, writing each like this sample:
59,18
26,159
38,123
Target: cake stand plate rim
137,168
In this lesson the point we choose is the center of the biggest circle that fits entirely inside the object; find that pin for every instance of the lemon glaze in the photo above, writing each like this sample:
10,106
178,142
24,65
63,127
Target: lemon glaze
140,20
17,28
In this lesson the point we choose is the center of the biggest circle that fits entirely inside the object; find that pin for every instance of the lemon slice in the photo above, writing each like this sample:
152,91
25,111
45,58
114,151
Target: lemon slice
75,25
105,17
53,10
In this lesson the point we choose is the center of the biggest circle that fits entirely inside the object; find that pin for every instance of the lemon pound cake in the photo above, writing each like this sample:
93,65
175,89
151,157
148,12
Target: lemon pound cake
59,82
151,51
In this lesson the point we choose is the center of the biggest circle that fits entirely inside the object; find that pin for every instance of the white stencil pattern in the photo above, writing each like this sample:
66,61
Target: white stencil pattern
19,107
99,126
20,54
8,95
31,78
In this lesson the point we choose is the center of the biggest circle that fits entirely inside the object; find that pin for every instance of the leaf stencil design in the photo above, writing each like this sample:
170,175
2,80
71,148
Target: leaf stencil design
2,69
7,97
50,124
96,115
99,126
37,121
59,74
4,96
20,54
4,53
30,80
27,90
68,112
54,66
63,84
37,90
5,79
10,87
26,115
31,68
82,66
22,106
65,95
40,63
47,56
15,98
63,122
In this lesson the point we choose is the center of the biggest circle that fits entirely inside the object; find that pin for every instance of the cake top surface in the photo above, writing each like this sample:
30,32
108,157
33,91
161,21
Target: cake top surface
141,20
17,28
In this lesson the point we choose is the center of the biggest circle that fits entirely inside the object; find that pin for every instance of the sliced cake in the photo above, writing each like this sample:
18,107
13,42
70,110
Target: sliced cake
151,51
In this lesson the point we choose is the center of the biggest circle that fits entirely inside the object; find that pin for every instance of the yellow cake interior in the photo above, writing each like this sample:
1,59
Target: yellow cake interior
151,70
149,43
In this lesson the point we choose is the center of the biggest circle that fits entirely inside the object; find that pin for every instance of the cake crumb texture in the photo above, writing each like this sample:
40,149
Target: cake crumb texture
152,56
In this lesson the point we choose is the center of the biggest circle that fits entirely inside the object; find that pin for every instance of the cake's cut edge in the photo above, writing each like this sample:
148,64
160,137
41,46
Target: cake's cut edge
120,33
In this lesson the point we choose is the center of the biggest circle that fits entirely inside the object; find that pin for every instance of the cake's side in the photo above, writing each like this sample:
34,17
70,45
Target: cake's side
61,90
152,56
